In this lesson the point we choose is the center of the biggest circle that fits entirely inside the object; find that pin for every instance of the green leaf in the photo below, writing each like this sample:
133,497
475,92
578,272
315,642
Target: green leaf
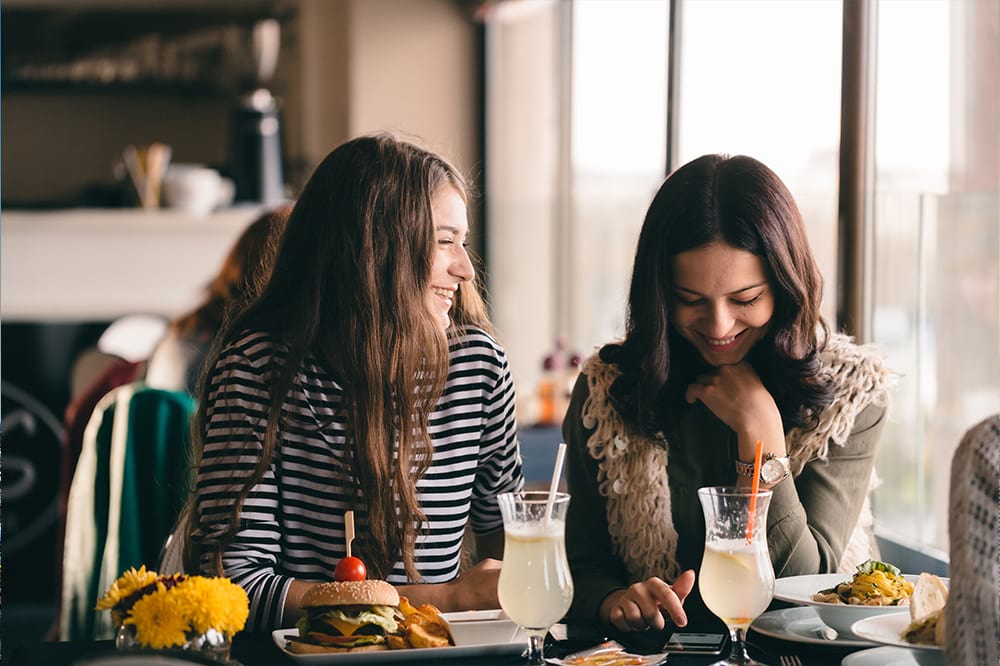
877,565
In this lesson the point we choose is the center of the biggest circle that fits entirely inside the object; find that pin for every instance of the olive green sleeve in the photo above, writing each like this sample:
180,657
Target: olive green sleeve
596,570
811,518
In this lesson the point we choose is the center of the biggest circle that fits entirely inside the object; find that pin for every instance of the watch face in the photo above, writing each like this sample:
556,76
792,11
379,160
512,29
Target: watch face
772,471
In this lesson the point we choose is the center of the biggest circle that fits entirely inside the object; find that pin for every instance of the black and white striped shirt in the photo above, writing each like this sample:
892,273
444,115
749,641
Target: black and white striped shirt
292,522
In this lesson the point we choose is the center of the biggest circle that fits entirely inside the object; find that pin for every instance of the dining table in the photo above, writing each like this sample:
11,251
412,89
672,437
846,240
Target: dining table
258,649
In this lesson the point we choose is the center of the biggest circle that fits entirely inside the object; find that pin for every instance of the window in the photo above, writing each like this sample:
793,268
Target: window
937,244
763,79
578,122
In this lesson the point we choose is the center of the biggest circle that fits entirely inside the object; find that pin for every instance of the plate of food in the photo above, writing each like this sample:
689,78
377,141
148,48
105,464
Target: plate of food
877,588
367,622
922,630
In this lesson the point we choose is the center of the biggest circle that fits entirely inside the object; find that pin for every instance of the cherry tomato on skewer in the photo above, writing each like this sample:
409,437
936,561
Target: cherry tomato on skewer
350,568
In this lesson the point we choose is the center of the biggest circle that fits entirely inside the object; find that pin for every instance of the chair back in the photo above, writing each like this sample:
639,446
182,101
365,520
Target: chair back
129,484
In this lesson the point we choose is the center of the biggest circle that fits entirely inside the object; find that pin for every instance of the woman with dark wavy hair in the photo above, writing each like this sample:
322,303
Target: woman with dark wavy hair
364,377
725,345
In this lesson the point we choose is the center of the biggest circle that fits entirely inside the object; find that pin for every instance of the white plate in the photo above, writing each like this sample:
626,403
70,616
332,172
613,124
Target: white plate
799,625
476,633
800,589
888,630
880,656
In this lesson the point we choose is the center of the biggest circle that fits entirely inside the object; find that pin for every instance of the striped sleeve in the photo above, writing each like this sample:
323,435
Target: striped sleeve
499,469
236,415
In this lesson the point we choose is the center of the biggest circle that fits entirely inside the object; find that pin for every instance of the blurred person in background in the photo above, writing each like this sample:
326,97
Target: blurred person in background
176,362
365,377
724,346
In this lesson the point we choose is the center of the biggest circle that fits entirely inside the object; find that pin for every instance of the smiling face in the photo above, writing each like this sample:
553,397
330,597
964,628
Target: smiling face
451,265
721,301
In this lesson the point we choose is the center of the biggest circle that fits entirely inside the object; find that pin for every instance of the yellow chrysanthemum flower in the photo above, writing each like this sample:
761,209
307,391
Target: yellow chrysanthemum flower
214,603
234,605
175,608
130,582
160,619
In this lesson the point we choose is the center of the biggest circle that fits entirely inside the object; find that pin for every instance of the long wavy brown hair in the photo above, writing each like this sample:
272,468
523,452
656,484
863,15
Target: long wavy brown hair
349,286
741,202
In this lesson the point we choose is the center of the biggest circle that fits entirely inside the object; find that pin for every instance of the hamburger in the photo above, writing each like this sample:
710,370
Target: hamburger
347,616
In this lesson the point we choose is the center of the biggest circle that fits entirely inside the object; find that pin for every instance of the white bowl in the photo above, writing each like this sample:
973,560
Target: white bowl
489,627
841,617
888,630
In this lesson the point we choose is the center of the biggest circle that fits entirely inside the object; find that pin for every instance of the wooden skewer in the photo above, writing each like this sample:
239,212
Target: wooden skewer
349,530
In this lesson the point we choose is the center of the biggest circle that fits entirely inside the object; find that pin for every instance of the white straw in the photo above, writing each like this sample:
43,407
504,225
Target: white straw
554,485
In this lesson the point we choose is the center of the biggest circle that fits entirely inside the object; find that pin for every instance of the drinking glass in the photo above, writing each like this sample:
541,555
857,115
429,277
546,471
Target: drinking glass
736,578
535,586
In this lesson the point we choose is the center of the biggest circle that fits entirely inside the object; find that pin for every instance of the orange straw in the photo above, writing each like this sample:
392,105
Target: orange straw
754,486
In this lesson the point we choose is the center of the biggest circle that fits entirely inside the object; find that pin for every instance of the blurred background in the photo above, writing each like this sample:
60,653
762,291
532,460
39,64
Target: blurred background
140,138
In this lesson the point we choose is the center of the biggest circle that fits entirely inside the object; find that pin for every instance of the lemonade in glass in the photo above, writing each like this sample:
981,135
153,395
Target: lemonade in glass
736,577
535,587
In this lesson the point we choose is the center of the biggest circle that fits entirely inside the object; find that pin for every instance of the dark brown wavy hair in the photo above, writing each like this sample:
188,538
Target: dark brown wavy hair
349,286
741,202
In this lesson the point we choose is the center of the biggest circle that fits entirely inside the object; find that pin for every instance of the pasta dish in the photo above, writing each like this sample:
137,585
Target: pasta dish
875,584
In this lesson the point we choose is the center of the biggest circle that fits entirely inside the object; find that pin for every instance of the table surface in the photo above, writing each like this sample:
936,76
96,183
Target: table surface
260,650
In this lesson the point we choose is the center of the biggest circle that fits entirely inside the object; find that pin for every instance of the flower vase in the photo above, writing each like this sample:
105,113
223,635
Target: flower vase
212,645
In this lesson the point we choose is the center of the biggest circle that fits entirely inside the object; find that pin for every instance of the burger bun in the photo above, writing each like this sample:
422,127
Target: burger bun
351,593
302,647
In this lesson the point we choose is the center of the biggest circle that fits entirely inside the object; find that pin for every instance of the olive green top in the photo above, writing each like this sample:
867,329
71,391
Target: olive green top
810,519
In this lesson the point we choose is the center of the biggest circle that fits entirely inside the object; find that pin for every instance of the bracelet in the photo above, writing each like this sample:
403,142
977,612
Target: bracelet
744,468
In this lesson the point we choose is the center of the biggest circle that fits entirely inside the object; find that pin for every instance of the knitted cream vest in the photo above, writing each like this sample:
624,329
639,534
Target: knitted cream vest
632,470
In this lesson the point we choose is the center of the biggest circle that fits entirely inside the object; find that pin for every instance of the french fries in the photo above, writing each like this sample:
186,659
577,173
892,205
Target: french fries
421,627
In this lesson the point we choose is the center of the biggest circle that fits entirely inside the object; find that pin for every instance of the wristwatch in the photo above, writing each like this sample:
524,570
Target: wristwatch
773,469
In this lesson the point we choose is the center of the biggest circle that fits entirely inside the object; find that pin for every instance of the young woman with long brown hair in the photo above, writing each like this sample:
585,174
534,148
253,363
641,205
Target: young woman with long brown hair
365,377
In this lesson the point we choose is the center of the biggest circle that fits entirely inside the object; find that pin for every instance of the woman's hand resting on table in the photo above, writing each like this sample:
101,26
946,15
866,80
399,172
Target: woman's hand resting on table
476,589
641,605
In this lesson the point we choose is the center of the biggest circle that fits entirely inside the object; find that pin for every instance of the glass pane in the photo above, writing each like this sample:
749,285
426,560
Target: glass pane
618,154
522,132
763,79
937,248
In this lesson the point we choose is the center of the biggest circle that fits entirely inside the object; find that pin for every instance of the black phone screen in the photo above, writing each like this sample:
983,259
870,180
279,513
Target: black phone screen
694,643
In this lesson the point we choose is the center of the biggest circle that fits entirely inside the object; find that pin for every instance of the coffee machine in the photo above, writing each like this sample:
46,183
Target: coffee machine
255,148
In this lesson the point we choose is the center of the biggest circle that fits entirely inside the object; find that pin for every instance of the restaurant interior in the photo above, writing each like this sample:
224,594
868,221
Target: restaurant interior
141,137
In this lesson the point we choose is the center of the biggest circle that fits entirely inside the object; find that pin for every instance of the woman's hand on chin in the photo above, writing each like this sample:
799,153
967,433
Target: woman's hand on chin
735,394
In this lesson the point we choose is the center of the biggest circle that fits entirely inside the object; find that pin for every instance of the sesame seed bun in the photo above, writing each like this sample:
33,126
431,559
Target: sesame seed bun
351,593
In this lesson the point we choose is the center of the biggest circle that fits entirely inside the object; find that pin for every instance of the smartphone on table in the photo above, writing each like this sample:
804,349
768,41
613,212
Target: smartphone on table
694,643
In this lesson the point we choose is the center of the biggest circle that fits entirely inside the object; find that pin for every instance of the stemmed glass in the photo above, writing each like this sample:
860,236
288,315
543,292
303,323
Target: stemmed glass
736,578
535,586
